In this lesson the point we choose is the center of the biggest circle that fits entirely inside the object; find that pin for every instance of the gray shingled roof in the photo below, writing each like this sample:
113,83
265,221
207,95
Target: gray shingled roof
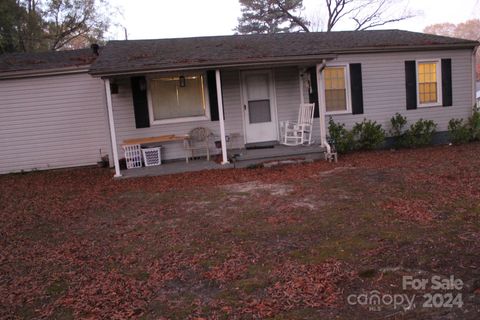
142,55
39,61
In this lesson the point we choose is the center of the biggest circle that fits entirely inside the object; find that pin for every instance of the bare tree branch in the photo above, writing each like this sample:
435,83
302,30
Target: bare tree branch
365,13
293,18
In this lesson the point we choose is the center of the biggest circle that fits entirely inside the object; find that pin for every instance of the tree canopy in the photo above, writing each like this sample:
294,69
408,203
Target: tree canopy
469,29
271,16
33,25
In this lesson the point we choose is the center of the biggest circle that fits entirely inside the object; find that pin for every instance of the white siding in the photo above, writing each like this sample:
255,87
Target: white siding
383,86
287,89
52,122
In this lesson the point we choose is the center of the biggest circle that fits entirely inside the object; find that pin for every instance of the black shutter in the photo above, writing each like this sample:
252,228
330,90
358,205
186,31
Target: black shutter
212,95
447,82
411,84
356,88
313,95
140,102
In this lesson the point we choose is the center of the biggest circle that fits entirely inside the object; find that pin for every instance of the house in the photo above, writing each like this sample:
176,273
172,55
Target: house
67,109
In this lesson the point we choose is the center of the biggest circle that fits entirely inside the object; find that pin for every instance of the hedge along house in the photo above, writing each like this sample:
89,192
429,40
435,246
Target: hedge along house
240,87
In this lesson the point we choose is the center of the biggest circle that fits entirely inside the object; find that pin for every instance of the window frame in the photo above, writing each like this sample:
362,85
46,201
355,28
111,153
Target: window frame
348,97
207,115
439,102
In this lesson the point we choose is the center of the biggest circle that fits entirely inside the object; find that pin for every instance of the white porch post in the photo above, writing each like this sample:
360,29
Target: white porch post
474,79
220,116
321,106
113,137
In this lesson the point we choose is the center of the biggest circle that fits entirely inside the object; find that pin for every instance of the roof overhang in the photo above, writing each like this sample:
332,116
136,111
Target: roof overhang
280,61
43,73
277,61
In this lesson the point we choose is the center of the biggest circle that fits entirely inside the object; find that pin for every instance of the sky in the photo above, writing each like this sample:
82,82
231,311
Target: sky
153,19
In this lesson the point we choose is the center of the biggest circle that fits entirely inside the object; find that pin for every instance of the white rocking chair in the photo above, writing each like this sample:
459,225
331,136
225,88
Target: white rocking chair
300,132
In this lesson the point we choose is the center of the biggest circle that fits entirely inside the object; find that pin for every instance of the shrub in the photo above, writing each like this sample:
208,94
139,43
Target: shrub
459,131
474,125
368,135
340,137
397,131
398,125
419,134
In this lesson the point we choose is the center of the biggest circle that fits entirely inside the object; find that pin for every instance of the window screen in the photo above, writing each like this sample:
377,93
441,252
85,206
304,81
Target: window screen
259,111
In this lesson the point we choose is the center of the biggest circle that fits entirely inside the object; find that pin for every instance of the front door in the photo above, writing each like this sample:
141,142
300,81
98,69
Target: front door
259,107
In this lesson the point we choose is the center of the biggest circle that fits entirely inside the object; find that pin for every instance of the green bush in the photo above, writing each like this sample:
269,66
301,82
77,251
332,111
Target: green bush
340,137
397,131
474,125
419,134
368,135
459,131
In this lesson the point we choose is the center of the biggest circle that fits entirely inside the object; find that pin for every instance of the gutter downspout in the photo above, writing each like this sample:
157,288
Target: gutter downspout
474,79
322,109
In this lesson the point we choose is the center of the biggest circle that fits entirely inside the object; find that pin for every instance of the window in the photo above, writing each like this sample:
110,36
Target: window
429,90
177,98
336,93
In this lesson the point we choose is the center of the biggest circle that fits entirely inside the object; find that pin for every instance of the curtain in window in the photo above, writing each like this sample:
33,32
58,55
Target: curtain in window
427,82
170,100
335,89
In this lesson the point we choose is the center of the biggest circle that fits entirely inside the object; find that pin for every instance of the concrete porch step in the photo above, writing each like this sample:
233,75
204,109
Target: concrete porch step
277,155
278,151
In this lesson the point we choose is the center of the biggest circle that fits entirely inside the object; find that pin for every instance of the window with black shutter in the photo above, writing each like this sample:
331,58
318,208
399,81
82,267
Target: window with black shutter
356,88
428,83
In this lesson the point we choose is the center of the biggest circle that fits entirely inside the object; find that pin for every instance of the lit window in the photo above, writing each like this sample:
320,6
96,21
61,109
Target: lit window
177,97
335,89
428,86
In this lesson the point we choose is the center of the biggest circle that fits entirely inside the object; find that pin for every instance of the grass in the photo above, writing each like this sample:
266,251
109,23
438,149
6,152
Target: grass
251,243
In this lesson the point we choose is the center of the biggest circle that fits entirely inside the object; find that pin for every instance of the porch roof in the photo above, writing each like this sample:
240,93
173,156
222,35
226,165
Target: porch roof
139,56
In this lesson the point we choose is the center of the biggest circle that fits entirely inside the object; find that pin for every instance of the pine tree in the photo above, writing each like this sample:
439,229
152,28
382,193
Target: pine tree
271,16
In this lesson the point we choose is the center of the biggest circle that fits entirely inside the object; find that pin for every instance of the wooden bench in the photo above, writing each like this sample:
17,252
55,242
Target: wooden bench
159,139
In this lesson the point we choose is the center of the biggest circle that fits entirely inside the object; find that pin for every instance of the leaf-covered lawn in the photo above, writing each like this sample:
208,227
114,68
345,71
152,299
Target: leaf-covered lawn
289,242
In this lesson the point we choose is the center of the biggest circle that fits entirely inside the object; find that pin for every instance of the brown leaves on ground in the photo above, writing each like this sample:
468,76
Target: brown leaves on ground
232,268
244,243
414,210
298,286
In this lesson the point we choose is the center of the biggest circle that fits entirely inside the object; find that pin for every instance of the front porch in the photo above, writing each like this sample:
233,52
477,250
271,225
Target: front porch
253,103
239,158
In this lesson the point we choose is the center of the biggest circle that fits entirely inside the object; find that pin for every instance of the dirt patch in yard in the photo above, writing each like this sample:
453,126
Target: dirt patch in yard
255,187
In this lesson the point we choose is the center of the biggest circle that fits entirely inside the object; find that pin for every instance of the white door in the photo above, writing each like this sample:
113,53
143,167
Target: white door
259,107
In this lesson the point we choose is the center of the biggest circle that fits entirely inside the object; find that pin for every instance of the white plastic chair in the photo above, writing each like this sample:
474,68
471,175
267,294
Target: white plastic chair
299,132
198,139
